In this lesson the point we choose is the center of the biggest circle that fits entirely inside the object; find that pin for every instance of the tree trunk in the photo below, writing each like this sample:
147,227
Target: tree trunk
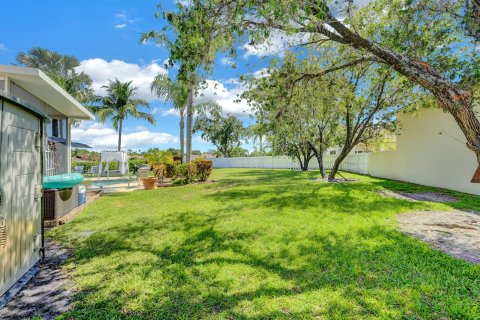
261,145
454,100
337,164
306,160
120,125
182,135
189,125
303,164
319,157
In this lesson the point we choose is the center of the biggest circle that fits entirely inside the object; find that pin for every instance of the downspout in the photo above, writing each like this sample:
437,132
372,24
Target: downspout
69,144
42,201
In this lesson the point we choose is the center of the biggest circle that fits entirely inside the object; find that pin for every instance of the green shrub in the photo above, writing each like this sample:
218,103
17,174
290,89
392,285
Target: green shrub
159,170
170,170
135,163
187,171
87,165
204,169
178,181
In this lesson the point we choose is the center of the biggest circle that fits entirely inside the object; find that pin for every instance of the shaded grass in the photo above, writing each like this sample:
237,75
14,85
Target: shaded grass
264,244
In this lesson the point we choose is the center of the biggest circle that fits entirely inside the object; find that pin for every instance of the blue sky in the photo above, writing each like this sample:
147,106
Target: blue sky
103,35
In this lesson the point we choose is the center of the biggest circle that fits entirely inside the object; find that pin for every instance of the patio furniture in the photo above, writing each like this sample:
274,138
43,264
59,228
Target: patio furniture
131,177
93,171
78,169
143,172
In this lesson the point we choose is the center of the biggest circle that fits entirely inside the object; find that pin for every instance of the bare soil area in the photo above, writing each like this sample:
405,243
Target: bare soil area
421,196
456,233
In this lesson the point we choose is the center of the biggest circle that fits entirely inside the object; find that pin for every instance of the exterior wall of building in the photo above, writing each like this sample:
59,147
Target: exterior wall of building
62,154
431,150
26,96
20,184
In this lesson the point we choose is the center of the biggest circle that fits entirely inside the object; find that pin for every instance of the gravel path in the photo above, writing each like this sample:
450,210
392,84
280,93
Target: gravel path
48,294
456,233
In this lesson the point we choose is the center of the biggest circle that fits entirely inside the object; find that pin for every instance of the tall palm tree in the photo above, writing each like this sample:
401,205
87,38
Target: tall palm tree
61,68
120,103
175,91
258,131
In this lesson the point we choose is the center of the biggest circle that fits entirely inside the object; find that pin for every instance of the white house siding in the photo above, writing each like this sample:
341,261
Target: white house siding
431,151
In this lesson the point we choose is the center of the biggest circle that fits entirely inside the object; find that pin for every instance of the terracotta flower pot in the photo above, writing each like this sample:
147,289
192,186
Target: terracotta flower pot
149,183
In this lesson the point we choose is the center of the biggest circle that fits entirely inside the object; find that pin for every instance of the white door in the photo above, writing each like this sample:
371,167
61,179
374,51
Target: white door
20,182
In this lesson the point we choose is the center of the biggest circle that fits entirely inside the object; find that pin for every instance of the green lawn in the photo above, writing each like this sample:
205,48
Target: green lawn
263,244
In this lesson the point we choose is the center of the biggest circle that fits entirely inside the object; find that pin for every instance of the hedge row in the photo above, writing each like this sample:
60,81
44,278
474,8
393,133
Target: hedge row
87,165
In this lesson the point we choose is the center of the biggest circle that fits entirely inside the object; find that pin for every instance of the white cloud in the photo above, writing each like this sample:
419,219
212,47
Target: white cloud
275,44
141,75
3,47
170,112
121,15
262,73
227,61
99,136
226,98
122,20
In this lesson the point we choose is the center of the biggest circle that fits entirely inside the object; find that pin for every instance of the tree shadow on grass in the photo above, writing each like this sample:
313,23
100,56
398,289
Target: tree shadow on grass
377,272
336,198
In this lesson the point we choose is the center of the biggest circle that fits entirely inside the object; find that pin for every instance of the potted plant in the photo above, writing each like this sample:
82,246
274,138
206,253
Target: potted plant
149,182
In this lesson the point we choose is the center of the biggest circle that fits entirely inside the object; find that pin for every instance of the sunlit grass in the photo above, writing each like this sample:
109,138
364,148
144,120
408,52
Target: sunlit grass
263,244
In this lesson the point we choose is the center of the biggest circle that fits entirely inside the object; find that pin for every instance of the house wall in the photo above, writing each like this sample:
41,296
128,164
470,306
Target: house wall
431,150
62,155
20,182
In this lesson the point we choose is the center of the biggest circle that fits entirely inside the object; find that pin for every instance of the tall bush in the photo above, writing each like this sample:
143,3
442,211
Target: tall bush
187,171
204,169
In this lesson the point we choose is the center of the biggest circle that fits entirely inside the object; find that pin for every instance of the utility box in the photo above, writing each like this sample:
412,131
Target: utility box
59,202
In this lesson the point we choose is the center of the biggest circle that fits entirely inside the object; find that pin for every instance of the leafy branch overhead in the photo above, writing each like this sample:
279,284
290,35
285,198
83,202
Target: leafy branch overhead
432,45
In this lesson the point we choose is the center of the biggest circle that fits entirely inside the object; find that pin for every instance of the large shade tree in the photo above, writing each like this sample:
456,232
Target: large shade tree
224,132
177,92
192,41
433,44
304,118
118,104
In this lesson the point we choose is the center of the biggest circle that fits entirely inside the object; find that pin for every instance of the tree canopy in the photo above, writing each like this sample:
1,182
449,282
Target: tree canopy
61,68
433,45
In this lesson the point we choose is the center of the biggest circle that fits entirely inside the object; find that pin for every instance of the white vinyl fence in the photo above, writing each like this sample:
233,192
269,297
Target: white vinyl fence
357,163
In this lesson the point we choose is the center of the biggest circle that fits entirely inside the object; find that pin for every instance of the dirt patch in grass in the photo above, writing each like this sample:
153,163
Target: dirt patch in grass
421,196
345,180
48,294
456,233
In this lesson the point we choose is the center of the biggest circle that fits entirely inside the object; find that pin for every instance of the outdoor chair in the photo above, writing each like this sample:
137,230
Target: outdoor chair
78,169
143,172
93,171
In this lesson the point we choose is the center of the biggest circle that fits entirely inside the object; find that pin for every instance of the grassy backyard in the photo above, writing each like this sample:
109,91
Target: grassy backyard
263,244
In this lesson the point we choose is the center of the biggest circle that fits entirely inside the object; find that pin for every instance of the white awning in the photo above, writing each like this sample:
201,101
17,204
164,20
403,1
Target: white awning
41,86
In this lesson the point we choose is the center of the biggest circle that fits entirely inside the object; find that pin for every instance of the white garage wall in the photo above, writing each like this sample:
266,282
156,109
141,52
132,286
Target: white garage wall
431,151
